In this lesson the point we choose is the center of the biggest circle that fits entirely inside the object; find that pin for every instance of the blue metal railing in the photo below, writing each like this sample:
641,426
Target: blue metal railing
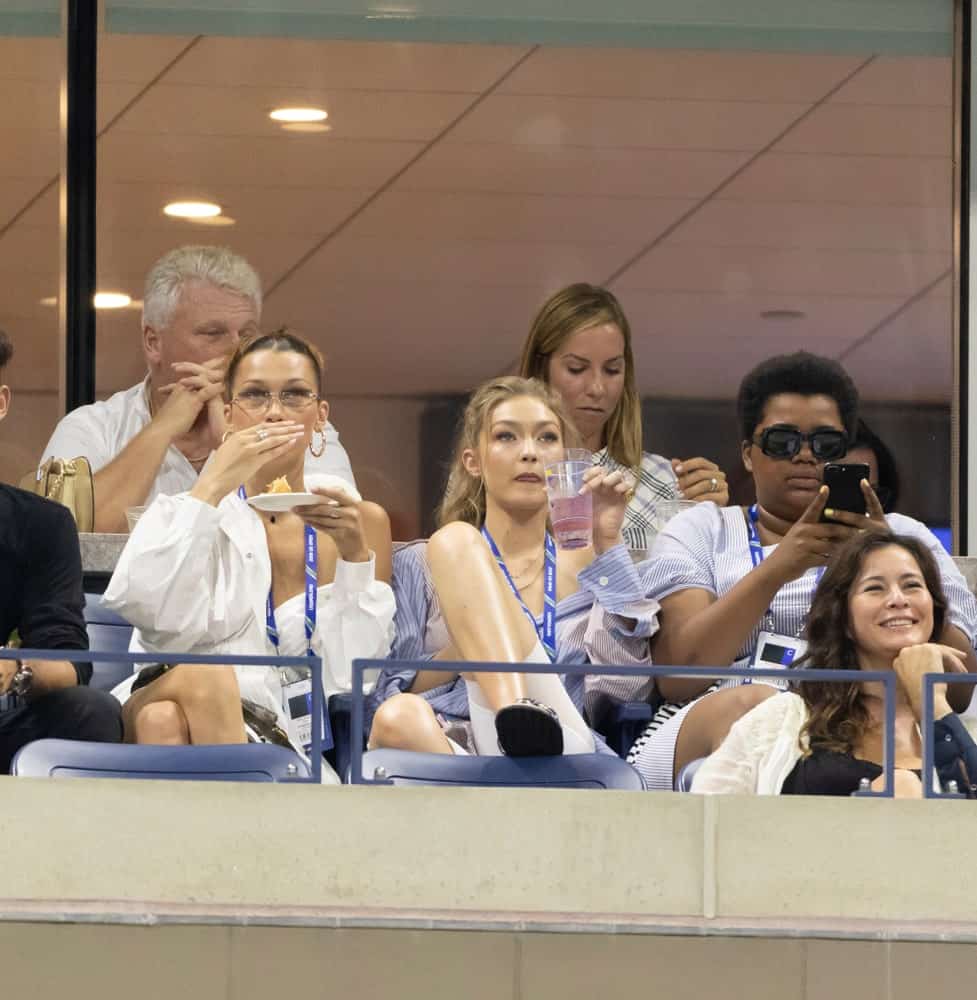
885,677
314,663
926,726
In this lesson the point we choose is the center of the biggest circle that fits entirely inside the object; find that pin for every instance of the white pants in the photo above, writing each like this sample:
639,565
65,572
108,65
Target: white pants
547,689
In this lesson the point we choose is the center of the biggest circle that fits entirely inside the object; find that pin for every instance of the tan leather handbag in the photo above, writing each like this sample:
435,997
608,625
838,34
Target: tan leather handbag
68,481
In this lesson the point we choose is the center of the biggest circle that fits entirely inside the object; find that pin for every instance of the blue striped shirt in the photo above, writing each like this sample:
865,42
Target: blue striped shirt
609,620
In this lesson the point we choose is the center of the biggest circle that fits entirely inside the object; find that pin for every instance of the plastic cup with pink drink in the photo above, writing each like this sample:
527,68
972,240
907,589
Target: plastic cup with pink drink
571,513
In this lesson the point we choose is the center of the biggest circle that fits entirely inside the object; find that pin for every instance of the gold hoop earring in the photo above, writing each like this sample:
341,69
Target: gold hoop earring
322,444
226,435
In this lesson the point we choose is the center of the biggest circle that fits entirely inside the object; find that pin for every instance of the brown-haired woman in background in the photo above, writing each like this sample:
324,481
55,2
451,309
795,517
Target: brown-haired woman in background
880,606
206,572
580,344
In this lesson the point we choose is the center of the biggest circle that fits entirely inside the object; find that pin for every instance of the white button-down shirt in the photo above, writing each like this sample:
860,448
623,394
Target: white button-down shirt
100,431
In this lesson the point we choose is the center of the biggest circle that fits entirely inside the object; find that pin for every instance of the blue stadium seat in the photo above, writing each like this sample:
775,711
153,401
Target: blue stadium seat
683,780
622,723
340,716
107,633
403,767
236,762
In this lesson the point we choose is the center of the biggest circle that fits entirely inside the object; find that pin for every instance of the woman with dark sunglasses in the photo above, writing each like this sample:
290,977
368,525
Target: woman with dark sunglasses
735,584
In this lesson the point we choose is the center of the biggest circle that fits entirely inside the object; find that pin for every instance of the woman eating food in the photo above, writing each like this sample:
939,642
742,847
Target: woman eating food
210,572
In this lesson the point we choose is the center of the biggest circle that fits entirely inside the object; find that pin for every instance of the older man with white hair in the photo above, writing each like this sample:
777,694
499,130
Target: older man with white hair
156,436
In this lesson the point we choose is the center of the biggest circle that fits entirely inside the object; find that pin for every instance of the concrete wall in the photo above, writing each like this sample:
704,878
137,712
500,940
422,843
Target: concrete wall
254,890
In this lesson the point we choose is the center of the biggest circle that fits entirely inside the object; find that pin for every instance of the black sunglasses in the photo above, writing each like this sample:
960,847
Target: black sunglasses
786,442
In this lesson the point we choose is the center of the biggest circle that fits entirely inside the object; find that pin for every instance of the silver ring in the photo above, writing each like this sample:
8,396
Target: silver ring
715,483
261,433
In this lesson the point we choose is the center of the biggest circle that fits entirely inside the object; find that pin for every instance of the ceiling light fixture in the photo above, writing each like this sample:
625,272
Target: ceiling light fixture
192,209
307,127
783,314
293,115
111,300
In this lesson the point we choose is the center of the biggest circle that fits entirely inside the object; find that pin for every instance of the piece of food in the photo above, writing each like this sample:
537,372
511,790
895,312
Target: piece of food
279,485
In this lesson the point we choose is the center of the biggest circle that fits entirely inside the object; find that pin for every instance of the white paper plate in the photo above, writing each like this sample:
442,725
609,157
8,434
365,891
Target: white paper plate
277,502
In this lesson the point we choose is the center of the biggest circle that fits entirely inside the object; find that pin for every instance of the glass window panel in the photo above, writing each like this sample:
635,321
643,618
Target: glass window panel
30,73
744,190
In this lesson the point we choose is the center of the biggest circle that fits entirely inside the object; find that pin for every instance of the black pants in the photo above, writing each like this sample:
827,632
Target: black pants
75,713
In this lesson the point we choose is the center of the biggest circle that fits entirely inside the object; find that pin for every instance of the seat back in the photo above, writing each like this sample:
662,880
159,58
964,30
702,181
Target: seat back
235,762
107,633
683,780
404,767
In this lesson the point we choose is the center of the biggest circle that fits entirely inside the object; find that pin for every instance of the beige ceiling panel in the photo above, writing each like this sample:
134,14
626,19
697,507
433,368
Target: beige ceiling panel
751,270
35,364
715,321
891,228
35,59
294,211
25,104
561,170
853,180
901,80
33,153
272,162
137,58
263,62
16,193
516,218
29,250
545,264
872,131
22,294
686,76
910,359
695,367
243,111
599,122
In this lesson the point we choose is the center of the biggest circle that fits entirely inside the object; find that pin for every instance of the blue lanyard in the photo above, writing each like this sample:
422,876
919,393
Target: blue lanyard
756,551
546,633
311,589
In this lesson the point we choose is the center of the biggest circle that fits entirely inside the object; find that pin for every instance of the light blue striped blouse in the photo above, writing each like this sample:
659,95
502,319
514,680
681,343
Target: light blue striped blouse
609,620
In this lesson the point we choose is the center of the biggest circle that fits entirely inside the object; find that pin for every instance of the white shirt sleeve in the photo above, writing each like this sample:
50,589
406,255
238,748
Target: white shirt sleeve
354,621
79,434
333,460
171,581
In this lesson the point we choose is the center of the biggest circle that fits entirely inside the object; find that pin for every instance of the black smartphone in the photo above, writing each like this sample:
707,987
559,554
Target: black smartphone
844,485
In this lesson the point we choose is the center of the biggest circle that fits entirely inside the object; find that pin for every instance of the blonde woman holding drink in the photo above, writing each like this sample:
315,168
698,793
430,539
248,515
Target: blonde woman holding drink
492,585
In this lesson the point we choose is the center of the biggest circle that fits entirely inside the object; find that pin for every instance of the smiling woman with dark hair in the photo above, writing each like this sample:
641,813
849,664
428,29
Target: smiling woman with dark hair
880,606
734,581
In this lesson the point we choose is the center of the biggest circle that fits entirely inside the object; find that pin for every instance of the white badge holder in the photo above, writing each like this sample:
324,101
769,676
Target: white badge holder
776,651
297,703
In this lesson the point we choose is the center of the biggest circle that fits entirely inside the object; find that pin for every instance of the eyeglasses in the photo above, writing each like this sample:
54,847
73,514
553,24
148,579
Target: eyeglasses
786,442
259,400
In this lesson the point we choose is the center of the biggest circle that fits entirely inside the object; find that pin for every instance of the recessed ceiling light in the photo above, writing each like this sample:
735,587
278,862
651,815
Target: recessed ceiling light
299,115
111,300
306,127
192,209
216,220
782,314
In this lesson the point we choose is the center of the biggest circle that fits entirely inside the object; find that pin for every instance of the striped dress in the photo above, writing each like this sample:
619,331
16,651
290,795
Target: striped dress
656,481
609,620
707,548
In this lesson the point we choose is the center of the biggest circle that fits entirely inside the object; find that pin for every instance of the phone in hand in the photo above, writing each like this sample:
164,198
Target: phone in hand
844,487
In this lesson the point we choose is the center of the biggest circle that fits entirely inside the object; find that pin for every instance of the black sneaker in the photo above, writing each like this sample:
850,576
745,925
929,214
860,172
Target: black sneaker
529,729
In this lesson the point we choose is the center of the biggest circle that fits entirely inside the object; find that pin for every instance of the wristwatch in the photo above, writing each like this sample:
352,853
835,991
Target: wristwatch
22,681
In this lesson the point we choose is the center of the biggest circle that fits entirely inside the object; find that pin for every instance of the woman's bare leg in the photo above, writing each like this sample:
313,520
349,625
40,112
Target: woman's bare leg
709,720
208,697
161,723
407,722
483,616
